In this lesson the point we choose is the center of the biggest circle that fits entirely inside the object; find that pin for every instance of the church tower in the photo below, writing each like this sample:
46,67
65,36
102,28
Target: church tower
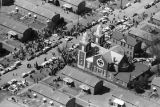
84,48
99,37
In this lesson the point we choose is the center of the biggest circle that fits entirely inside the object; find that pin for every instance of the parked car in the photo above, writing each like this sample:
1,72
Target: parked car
17,63
156,1
24,75
13,88
32,71
30,57
147,6
46,49
13,81
5,86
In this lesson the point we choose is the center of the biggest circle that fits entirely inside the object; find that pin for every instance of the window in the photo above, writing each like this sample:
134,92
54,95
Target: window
131,53
131,47
124,44
128,46
127,52
95,69
104,72
113,40
121,43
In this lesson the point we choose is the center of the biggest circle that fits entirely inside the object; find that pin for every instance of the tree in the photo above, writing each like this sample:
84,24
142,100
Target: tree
103,1
7,2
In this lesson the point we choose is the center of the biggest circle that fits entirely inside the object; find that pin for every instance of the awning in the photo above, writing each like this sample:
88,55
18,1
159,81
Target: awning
118,101
84,87
12,33
67,6
69,80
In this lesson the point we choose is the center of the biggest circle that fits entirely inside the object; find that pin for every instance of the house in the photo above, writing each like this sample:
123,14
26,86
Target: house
128,43
155,84
58,98
140,70
77,6
82,80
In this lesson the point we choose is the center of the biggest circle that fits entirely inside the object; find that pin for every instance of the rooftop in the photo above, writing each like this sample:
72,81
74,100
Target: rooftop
125,38
78,75
73,2
132,99
127,76
54,95
141,34
35,8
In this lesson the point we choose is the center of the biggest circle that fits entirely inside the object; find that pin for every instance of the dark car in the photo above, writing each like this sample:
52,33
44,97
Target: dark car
147,6
111,27
30,57
5,86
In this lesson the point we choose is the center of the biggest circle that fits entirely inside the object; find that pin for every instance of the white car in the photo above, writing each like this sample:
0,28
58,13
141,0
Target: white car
128,4
13,88
17,63
12,81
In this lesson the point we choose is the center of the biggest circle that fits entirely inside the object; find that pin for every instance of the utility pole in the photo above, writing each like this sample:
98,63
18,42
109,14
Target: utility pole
0,4
121,4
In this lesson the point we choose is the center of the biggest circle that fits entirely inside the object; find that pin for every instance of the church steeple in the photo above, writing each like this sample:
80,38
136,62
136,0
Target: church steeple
99,37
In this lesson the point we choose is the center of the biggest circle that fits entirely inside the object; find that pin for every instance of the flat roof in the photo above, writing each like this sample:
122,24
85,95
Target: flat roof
78,75
37,9
48,92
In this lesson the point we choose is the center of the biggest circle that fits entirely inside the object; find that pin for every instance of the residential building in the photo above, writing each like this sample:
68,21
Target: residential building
140,71
128,43
86,82
77,6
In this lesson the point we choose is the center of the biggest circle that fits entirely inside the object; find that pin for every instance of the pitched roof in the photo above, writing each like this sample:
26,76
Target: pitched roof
117,35
141,34
131,41
54,95
132,99
36,9
78,75
73,2
126,76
